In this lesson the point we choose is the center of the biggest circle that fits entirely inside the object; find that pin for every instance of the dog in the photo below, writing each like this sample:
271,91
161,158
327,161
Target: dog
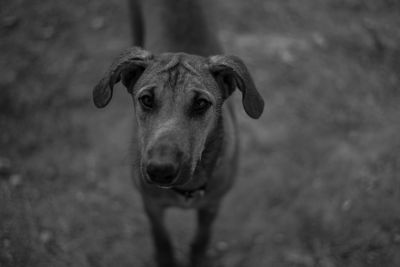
185,137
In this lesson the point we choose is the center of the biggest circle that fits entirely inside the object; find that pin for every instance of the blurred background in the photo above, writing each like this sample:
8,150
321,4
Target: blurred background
319,181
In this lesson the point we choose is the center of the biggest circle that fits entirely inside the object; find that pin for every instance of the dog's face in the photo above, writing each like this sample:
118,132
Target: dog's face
177,99
177,103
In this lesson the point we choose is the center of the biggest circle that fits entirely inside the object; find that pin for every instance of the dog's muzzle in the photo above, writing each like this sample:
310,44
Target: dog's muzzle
163,165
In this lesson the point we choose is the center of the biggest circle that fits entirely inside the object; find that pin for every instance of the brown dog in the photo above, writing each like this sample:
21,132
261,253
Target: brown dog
185,138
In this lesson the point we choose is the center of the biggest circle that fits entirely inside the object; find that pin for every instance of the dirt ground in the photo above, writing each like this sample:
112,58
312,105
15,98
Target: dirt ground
319,181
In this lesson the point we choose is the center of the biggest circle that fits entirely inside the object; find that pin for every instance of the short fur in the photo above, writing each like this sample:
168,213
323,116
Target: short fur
185,134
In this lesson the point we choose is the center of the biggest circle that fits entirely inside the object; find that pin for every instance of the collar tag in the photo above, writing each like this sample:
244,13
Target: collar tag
189,196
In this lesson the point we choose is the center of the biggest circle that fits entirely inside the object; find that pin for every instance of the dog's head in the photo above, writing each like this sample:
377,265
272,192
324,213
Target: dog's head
177,100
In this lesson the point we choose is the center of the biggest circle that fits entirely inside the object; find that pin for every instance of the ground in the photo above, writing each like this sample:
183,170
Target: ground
319,177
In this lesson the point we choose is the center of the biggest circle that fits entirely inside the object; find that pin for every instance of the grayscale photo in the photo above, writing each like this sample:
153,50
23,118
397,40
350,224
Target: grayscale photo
200,133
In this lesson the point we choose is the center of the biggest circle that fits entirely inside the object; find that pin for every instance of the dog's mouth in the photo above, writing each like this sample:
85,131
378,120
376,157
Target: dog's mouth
160,184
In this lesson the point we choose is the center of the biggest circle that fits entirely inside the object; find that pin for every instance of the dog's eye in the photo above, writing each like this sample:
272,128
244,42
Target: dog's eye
201,105
147,101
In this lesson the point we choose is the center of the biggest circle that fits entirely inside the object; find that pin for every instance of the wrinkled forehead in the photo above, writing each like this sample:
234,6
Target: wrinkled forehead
179,71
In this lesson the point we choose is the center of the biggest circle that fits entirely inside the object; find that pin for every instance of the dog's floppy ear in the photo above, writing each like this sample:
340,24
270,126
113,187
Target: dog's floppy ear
128,67
230,72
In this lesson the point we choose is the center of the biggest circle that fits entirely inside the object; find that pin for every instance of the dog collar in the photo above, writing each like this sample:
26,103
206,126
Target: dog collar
190,194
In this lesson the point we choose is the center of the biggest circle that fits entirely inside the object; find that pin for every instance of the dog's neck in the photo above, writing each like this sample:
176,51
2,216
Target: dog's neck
213,148
178,26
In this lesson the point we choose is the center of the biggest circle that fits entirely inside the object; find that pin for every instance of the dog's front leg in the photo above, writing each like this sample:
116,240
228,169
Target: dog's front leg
163,247
205,219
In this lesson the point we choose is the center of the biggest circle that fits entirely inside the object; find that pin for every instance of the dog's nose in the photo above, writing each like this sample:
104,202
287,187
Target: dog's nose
162,173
